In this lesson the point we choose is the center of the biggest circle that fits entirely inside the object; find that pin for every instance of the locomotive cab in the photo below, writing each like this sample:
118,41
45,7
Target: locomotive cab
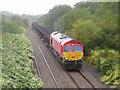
72,54
72,51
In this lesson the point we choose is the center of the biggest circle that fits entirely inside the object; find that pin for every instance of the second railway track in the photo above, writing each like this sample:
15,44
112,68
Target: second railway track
52,75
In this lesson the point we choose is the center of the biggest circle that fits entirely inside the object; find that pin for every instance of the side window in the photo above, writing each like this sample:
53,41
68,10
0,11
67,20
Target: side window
51,41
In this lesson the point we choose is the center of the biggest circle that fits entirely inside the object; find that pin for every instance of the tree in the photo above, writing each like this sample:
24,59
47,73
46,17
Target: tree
64,23
85,31
12,26
108,15
92,7
53,15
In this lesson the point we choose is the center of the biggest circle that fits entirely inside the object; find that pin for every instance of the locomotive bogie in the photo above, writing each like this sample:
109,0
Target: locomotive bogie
72,65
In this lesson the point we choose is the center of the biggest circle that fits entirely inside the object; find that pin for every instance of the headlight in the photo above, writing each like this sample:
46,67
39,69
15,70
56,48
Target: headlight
66,57
79,58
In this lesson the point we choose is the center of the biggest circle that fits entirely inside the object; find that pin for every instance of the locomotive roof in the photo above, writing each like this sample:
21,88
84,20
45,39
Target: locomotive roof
61,37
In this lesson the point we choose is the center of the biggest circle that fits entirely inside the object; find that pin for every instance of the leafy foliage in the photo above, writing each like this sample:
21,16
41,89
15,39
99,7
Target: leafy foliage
21,21
17,64
96,26
15,25
106,61
108,15
66,21
83,31
105,18
48,20
12,27
93,7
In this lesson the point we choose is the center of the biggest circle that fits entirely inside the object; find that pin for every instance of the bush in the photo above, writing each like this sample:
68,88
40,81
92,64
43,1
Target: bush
17,64
12,27
106,61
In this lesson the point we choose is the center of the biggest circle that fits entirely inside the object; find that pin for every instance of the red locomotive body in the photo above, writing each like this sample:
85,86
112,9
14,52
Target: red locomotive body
68,49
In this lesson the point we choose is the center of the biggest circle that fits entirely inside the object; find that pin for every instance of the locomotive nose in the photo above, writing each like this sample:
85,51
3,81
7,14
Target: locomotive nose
72,55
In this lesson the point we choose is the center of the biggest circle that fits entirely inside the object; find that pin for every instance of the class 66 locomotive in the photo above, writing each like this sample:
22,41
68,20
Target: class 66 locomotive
68,51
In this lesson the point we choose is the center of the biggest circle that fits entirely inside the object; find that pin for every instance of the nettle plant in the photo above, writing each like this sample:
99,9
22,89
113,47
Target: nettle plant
17,63
107,63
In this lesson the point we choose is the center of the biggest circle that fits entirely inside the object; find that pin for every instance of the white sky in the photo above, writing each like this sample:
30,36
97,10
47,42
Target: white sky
32,7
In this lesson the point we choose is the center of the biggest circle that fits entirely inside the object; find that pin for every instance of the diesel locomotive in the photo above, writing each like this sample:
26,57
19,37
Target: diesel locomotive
69,52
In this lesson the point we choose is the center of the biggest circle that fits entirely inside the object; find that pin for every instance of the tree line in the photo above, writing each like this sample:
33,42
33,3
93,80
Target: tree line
96,25
92,23
15,24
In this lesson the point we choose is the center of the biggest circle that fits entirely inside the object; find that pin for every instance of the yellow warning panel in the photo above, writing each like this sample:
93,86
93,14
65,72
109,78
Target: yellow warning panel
72,56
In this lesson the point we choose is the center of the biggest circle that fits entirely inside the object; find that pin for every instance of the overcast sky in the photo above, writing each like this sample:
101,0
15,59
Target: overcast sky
33,7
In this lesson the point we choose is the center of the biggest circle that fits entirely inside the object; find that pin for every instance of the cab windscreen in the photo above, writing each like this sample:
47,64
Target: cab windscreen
67,48
77,48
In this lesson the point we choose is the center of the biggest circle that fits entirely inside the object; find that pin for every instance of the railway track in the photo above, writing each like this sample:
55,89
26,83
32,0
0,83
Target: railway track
39,74
78,85
87,80
52,75
74,81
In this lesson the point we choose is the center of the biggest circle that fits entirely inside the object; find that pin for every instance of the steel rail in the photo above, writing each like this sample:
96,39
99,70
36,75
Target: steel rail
53,77
37,68
75,83
87,80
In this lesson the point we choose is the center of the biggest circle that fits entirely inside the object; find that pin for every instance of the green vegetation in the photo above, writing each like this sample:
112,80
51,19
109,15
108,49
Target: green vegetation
17,56
15,25
17,64
106,61
12,27
96,26
48,20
